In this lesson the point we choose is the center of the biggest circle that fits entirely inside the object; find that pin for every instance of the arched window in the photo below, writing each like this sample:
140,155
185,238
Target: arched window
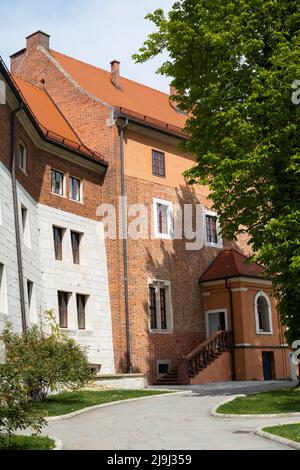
263,313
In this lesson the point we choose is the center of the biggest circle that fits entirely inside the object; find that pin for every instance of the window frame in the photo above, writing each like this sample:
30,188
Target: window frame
158,285
156,164
80,235
67,310
56,227
86,297
3,290
258,331
25,223
169,205
63,183
219,243
22,168
71,177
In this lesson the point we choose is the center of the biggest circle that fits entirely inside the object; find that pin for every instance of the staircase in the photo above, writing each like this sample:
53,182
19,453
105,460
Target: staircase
198,360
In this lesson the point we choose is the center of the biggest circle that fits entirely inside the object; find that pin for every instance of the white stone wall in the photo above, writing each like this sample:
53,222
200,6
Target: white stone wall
49,276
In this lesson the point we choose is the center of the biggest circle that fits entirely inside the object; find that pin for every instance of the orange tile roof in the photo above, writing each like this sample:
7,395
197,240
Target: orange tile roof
51,121
134,97
231,263
45,110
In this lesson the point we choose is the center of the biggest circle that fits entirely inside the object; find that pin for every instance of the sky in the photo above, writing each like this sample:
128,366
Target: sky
94,31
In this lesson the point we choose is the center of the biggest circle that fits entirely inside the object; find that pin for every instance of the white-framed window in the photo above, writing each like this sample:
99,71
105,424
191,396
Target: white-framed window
211,224
263,314
75,190
163,367
25,226
160,306
22,157
57,182
162,219
3,291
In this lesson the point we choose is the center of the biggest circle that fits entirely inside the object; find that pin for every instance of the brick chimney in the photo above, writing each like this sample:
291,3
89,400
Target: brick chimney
32,42
173,103
115,74
38,39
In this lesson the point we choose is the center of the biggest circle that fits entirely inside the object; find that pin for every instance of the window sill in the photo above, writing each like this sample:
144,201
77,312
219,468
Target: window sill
214,245
269,333
163,332
62,196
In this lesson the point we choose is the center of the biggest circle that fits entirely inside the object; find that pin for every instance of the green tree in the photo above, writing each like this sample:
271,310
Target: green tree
233,63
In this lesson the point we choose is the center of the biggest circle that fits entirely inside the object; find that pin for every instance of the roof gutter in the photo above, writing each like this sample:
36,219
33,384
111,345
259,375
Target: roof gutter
122,125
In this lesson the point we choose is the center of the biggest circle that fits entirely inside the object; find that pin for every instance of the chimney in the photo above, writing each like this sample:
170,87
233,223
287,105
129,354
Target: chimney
38,39
115,74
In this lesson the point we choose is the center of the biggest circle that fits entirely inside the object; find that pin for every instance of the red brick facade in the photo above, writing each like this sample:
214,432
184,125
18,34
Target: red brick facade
166,260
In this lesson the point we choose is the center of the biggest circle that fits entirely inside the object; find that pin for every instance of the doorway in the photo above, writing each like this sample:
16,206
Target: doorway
216,320
268,365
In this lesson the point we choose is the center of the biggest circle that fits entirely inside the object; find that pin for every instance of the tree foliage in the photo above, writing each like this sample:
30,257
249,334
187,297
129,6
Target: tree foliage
46,363
233,64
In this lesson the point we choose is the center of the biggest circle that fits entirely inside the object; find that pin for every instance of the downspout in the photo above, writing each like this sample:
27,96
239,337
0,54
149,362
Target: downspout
232,330
121,127
16,215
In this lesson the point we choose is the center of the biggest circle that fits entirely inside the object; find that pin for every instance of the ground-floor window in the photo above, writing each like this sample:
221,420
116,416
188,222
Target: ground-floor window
263,313
160,306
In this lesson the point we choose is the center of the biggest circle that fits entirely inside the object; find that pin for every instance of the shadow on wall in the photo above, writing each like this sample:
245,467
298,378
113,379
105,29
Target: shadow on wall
169,260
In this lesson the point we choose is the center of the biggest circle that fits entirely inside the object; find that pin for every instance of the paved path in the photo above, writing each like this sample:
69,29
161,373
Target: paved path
179,422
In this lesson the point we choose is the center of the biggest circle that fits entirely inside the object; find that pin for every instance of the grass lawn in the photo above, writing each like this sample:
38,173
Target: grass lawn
289,431
279,401
26,443
67,402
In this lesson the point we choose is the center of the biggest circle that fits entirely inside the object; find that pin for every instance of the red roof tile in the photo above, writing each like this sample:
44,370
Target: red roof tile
231,263
138,98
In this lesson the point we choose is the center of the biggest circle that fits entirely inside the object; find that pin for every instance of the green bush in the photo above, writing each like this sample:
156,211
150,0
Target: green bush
16,412
46,363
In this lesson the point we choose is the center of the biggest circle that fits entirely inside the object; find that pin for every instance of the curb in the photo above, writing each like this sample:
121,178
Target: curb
215,413
274,438
58,443
113,403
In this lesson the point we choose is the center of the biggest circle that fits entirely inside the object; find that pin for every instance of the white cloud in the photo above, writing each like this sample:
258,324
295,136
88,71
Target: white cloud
93,31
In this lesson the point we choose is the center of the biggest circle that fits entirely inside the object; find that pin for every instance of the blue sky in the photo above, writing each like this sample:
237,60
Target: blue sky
95,31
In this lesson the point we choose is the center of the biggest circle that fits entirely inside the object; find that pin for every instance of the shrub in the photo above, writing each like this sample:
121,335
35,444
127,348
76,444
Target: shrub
47,363
16,411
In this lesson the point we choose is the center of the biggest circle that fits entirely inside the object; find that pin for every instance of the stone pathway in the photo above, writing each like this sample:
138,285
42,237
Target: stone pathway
178,422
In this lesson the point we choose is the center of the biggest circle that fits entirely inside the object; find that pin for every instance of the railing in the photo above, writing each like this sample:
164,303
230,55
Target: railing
203,355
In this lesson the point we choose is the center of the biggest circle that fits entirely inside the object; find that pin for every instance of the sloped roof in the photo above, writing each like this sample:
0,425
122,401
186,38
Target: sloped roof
135,97
231,263
51,121
45,110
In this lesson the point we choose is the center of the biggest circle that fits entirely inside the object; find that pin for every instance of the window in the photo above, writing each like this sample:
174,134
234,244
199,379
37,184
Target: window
57,182
163,367
74,189
63,300
22,157
263,314
212,230
160,307
3,290
158,163
31,300
162,219
25,226
81,304
152,307
75,241
58,239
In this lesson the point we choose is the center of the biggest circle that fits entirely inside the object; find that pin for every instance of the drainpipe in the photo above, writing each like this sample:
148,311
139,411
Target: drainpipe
16,215
121,127
232,330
